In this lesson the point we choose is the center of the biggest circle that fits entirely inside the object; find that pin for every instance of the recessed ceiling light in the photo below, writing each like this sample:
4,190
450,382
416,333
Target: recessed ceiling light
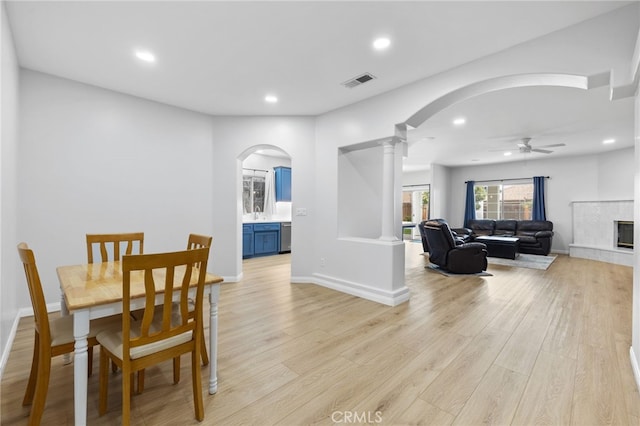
381,43
459,121
272,99
145,55
508,153
608,141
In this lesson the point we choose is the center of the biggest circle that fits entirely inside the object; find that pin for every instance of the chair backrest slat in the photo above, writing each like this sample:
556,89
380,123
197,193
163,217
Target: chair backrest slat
198,241
114,240
179,270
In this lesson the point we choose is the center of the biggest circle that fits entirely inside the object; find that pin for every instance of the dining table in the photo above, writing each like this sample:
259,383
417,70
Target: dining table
94,290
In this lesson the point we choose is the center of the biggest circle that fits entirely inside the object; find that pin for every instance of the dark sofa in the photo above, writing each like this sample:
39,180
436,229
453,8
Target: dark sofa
535,235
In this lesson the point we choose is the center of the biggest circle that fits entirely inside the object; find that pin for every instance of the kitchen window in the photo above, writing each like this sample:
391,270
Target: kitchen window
253,192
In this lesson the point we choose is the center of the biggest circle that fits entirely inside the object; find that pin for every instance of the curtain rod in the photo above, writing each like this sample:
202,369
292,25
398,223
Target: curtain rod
503,180
256,170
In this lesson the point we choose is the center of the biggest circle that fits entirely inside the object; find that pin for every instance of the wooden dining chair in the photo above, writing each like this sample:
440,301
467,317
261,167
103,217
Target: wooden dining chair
140,344
199,241
115,242
195,241
53,337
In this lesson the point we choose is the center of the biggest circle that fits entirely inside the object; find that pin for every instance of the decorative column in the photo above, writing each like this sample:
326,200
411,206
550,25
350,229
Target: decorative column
388,160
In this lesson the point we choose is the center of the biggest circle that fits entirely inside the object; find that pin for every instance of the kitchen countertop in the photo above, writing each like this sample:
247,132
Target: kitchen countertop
266,221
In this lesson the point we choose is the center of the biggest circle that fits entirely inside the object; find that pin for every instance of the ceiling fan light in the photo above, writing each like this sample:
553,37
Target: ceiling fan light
145,55
381,43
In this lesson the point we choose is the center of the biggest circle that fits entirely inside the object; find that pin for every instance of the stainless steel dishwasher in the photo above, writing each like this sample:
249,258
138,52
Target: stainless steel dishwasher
285,237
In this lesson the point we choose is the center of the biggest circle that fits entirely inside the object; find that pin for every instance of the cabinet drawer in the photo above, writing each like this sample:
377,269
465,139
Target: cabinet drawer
266,227
247,228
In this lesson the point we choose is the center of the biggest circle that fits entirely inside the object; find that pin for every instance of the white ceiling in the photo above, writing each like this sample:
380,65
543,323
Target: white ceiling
498,121
222,58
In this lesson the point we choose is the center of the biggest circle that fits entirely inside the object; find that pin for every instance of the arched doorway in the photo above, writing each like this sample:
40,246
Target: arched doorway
470,97
265,201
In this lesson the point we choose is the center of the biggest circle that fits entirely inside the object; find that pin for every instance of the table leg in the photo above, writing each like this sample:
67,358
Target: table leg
214,297
66,358
80,334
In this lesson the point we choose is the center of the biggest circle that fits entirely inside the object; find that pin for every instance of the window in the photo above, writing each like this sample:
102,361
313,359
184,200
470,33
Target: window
497,200
253,188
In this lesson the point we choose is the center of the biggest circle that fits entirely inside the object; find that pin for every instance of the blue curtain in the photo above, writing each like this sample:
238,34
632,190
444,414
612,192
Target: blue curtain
470,205
538,199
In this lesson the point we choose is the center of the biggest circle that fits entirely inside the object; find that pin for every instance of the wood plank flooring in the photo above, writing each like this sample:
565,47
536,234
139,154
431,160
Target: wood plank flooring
521,347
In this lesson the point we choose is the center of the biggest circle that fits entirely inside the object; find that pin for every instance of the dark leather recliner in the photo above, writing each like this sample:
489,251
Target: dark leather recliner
449,253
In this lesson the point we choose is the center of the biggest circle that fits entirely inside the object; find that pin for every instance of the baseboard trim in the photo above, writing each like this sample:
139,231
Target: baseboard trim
359,290
232,279
21,313
7,349
634,367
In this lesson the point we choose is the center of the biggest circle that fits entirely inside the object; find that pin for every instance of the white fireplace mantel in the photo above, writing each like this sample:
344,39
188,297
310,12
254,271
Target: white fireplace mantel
594,230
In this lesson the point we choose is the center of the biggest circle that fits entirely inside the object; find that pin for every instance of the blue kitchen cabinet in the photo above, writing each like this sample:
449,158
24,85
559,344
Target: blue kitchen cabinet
266,238
247,240
283,183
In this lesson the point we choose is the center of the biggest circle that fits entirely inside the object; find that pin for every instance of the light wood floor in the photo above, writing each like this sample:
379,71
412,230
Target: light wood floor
521,347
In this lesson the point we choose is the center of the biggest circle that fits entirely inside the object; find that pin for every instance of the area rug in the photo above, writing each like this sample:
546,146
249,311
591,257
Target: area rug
524,260
436,268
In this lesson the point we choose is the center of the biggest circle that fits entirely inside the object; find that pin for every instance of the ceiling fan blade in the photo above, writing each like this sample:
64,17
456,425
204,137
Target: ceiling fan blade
551,146
544,151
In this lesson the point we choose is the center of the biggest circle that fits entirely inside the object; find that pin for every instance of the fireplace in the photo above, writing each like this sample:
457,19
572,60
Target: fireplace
595,231
624,230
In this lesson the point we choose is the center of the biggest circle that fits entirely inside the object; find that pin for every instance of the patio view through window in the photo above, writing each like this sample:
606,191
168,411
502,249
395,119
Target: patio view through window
415,207
495,200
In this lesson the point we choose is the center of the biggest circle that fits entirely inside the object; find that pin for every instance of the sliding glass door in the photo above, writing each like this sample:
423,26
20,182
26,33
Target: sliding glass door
415,208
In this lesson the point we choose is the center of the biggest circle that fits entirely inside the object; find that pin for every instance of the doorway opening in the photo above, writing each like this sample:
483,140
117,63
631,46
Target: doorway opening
265,201
415,209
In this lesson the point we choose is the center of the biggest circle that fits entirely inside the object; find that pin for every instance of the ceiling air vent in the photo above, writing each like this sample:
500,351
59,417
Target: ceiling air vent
357,81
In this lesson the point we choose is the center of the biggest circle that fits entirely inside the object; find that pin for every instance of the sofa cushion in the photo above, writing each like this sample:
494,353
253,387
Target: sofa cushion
482,226
534,226
505,228
527,239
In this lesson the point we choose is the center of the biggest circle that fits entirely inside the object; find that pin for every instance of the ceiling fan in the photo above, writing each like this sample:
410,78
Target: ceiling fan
525,147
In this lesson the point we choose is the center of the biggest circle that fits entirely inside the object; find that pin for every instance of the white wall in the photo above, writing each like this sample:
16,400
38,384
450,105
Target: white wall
441,193
422,177
96,161
359,185
264,162
9,266
584,178
634,351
